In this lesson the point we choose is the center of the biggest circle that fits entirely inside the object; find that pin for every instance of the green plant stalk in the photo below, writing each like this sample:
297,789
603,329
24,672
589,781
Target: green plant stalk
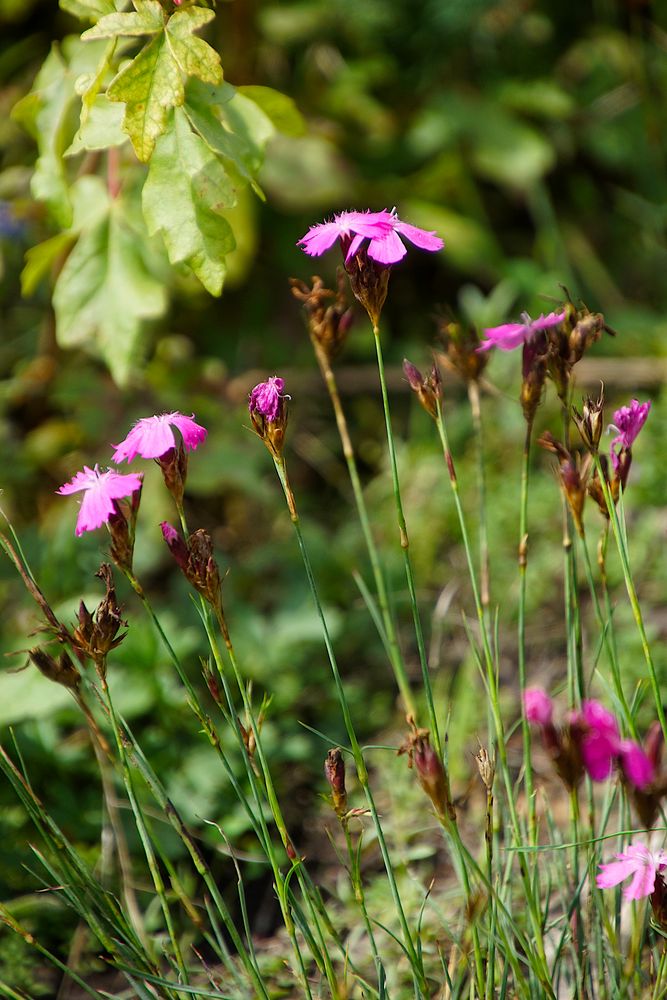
257,819
362,774
484,568
492,683
358,889
632,595
279,879
395,655
521,634
606,627
405,548
200,864
141,826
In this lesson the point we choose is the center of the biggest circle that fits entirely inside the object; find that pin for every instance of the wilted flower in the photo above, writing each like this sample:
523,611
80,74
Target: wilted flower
96,634
153,437
334,771
590,421
101,491
508,336
636,861
628,421
196,560
329,316
380,229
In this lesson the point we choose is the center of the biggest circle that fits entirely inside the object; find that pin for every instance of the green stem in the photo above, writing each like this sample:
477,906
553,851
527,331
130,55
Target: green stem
362,773
632,594
405,546
492,683
395,655
521,634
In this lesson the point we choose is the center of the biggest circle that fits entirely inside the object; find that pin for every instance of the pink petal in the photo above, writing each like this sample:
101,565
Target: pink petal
354,246
538,706
386,249
615,872
545,322
193,434
319,238
506,337
643,882
81,481
96,509
419,237
637,767
150,437
368,224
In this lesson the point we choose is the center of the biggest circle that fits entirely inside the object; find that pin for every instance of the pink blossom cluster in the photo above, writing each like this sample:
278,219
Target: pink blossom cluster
596,734
380,231
150,437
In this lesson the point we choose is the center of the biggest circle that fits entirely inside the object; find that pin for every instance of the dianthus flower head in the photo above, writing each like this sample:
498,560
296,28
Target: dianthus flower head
628,421
538,706
601,742
508,336
636,765
153,437
380,229
636,861
265,398
101,490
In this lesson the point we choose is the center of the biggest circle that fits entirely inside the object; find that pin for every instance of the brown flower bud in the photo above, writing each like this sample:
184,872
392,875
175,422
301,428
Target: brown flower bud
428,389
461,355
60,669
97,634
369,282
430,771
334,771
534,369
590,421
174,466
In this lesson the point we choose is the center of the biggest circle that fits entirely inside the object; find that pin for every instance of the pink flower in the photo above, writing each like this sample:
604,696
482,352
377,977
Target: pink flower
101,490
153,437
601,742
628,421
637,861
265,398
379,228
538,706
635,764
511,335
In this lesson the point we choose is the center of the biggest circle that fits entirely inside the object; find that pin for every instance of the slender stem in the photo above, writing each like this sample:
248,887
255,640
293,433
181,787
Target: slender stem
606,627
405,546
521,634
362,773
492,684
395,655
632,594
484,570
358,887
141,827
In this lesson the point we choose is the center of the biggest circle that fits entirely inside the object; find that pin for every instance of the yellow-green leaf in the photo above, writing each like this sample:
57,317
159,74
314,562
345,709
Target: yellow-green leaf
149,86
185,194
194,56
146,19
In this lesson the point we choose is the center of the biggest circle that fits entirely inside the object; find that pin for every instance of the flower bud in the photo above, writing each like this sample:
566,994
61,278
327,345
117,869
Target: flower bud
430,771
369,282
60,670
427,389
268,412
590,421
334,771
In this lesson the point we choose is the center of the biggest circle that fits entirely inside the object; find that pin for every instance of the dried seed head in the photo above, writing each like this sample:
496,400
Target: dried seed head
461,346
327,312
486,767
95,635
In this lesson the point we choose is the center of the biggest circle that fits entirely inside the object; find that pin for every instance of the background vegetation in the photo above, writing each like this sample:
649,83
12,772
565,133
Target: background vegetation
531,136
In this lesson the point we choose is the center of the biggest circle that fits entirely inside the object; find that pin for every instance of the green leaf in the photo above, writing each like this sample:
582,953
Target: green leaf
149,86
194,56
105,292
279,108
184,195
146,19
88,10
102,127
40,259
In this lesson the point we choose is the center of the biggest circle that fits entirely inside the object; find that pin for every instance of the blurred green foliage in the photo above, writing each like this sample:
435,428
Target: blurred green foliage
531,136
